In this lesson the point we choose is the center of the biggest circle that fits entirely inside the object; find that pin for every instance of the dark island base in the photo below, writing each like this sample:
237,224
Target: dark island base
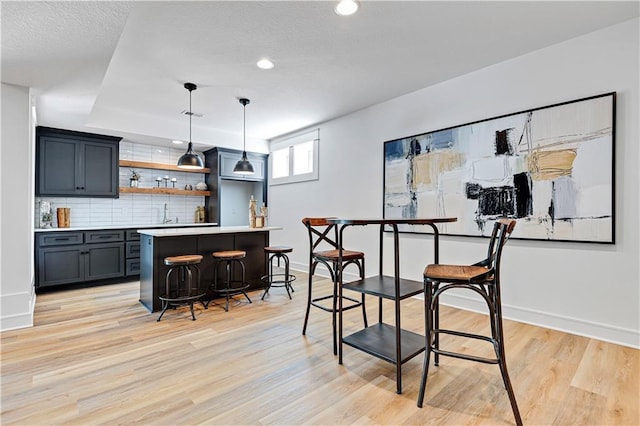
153,271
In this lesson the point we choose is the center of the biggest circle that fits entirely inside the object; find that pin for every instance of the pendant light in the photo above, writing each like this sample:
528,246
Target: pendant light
190,159
243,166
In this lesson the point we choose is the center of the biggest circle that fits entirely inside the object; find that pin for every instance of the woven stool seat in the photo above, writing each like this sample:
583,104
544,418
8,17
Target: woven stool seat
333,255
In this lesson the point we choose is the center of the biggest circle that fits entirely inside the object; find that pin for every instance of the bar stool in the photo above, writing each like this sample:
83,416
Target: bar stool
323,235
229,257
279,279
482,278
185,291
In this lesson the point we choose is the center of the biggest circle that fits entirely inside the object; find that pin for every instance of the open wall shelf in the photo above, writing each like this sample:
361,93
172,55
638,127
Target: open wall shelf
162,191
165,191
160,166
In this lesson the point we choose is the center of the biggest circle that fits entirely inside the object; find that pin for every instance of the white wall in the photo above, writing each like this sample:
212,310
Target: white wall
586,289
17,296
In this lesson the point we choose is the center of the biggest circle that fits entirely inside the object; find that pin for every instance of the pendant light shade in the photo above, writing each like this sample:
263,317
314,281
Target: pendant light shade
243,166
190,160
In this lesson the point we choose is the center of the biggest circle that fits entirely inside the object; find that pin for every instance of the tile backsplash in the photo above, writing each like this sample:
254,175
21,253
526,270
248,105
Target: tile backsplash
135,209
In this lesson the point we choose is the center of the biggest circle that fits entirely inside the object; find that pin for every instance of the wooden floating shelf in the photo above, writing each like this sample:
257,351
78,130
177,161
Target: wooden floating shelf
165,191
160,166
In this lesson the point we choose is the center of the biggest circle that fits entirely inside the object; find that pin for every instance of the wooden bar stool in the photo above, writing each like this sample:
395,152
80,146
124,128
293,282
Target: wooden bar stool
278,279
229,257
186,290
323,250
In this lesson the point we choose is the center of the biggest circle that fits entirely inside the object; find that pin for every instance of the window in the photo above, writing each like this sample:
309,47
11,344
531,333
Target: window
294,159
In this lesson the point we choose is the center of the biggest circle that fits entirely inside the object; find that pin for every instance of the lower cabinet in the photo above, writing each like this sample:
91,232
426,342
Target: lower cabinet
132,252
60,265
61,260
104,261
71,257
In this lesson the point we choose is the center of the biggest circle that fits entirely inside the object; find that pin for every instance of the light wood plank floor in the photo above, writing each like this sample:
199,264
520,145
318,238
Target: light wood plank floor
96,356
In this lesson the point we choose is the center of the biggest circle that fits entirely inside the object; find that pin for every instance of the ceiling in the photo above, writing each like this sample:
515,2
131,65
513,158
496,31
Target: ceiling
119,67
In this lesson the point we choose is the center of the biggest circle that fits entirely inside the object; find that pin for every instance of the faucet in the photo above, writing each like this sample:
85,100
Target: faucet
164,218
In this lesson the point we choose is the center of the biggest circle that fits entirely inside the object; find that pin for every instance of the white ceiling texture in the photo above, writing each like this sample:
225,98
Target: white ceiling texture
119,67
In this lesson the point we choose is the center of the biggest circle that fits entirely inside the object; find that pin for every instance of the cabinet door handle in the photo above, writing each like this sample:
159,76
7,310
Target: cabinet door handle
102,237
62,239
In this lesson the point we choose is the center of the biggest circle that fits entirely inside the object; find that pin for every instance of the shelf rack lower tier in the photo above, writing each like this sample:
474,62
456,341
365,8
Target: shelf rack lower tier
379,340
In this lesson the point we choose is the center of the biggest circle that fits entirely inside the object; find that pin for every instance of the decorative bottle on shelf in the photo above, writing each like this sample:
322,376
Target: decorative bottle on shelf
263,213
252,212
200,215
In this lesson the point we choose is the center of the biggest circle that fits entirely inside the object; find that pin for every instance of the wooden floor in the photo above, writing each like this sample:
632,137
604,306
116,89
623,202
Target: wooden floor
96,356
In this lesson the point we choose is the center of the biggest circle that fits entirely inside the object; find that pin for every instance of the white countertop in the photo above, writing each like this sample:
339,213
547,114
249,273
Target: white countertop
124,226
177,232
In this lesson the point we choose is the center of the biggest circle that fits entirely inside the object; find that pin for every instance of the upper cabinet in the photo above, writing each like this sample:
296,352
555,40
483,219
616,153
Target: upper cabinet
76,164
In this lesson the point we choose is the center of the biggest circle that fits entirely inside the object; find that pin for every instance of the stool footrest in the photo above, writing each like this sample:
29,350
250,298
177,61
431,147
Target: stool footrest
356,303
468,357
268,279
465,356
231,290
180,299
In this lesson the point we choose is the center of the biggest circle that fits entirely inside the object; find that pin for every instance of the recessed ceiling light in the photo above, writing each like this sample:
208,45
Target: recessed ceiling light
177,142
265,64
346,7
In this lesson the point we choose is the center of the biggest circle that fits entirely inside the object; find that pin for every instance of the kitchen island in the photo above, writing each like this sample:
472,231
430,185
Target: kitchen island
156,244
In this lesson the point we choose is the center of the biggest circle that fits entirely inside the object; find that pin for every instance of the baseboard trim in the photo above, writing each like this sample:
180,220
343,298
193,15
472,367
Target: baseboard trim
605,332
14,322
22,319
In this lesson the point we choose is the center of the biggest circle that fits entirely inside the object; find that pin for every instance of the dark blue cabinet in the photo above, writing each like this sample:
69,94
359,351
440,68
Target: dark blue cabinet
73,257
76,164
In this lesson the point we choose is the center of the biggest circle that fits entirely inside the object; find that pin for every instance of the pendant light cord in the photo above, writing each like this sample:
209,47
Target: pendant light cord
190,115
244,128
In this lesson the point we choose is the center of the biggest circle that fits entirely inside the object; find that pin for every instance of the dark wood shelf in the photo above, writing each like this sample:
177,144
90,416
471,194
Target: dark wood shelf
160,166
165,191
379,340
384,286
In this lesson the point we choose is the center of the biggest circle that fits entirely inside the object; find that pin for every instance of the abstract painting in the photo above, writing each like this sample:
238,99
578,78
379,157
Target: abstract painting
550,168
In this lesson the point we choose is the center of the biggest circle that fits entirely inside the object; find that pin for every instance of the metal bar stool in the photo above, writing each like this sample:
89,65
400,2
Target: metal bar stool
323,235
229,257
278,279
482,278
186,290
